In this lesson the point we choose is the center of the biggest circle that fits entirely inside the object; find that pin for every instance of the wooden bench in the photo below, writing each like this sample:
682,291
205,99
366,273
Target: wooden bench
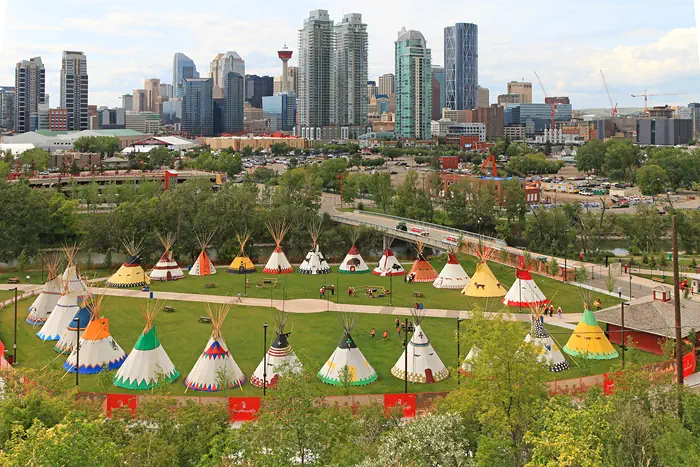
418,294
204,319
13,280
658,279
211,285
264,282
168,309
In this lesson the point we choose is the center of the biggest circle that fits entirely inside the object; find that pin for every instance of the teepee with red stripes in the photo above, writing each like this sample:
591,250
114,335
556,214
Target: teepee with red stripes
278,262
453,275
524,291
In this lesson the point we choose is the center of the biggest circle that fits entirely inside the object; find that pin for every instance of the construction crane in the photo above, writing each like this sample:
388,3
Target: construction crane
552,104
613,108
646,96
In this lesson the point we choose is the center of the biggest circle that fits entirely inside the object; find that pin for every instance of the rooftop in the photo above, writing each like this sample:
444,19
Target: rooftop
654,317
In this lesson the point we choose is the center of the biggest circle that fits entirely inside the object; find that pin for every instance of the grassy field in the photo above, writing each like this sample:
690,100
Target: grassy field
305,286
35,276
6,294
314,338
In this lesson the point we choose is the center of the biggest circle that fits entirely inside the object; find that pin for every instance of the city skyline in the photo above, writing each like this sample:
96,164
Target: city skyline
637,49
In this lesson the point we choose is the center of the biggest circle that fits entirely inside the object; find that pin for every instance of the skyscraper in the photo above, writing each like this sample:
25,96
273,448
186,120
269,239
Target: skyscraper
523,88
483,97
386,84
234,98
183,67
74,89
461,66
7,107
128,101
281,108
439,75
257,87
349,71
198,107
30,91
413,85
152,87
314,101
139,100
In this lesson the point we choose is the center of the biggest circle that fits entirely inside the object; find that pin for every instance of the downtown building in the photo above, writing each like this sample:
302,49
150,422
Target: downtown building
280,110
183,68
234,98
30,91
257,87
198,107
413,86
461,66
221,66
74,89
7,107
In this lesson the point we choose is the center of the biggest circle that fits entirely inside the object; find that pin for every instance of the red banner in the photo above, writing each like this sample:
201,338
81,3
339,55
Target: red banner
117,401
243,409
407,401
689,364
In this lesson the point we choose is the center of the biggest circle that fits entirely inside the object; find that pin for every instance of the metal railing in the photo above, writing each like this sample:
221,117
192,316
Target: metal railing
388,230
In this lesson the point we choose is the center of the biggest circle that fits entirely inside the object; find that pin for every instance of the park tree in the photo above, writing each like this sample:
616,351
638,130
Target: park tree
381,190
652,179
557,238
5,170
622,157
591,157
37,158
646,228
160,157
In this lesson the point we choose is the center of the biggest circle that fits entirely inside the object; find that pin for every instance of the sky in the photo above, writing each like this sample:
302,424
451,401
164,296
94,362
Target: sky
639,44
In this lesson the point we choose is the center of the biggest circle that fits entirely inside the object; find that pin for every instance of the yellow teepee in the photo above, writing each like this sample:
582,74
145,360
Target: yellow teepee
130,274
483,283
242,264
588,340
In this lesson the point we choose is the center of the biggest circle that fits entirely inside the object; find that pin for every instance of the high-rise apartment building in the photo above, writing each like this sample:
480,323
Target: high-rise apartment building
111,119
128,102
7,107
74,89
183,68
350,75
413,86
234,99
483,97
139,101
152,87
386,84
257,87
198,107
461,66
145,122
314,98
523,88
30,90
166,91
57,120
439,99
372,90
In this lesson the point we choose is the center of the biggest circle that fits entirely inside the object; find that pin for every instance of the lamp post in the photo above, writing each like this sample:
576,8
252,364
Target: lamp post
622,317
391,286
265,359
14,346
405,359
77,349
459,357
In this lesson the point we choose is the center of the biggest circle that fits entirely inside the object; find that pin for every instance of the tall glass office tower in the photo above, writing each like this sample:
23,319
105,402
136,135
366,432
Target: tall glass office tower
413,87
461,66
198,107
183,68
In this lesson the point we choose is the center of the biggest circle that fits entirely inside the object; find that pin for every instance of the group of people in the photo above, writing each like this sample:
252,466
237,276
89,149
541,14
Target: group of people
549,310
322,290
400,326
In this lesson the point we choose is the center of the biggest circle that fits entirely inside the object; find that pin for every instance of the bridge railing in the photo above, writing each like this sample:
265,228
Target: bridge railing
389,230
467,235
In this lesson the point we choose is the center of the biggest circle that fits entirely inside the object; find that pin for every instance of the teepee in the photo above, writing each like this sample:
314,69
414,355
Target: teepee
130,274
147,365
423,363
242,264
353,262
588,340
466,367
422,270
388,265
524,291
166,269
215,369
76,328
203,266
98,349
453,275
280,357
48,298
278,263
359,372
70,275
548,350
67,305
314,263
483,283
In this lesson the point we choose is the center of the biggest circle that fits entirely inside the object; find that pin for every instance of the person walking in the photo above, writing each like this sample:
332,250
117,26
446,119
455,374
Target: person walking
373,333
398,331
385,335
332,289
619,292
320,292
239,298
559,312
397,322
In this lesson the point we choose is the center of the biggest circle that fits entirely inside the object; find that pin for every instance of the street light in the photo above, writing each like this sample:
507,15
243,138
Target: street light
265,359
459,358
14,347
405,359
77,349
622,312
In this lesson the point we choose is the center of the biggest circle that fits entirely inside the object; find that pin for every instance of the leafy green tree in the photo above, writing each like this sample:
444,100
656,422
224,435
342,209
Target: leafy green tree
531,164
621,158
652,180
381,190
591,157
160,157
5,170
37,158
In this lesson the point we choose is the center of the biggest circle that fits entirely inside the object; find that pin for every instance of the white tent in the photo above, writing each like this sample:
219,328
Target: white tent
166,269
452,276
315,263
423,363
466,367
524,291
70,275
347,355
216,364
75,329
48,298
353,262
147,363
61,316
388,265
280,358
278,263
203,266
548,351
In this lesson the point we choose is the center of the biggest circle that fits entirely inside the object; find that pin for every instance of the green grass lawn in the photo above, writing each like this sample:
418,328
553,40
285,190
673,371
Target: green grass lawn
6,294
306,286
36,277
314,337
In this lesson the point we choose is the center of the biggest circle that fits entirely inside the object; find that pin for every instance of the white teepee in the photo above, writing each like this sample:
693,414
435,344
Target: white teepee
75,329
353,262
98,349
70,275
147,365
359,372
278,263
315,263
203,266
388,265
524,291
280,357
423,363
166,269
466,367
61,315
48,298
215,368
548,350
453,275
